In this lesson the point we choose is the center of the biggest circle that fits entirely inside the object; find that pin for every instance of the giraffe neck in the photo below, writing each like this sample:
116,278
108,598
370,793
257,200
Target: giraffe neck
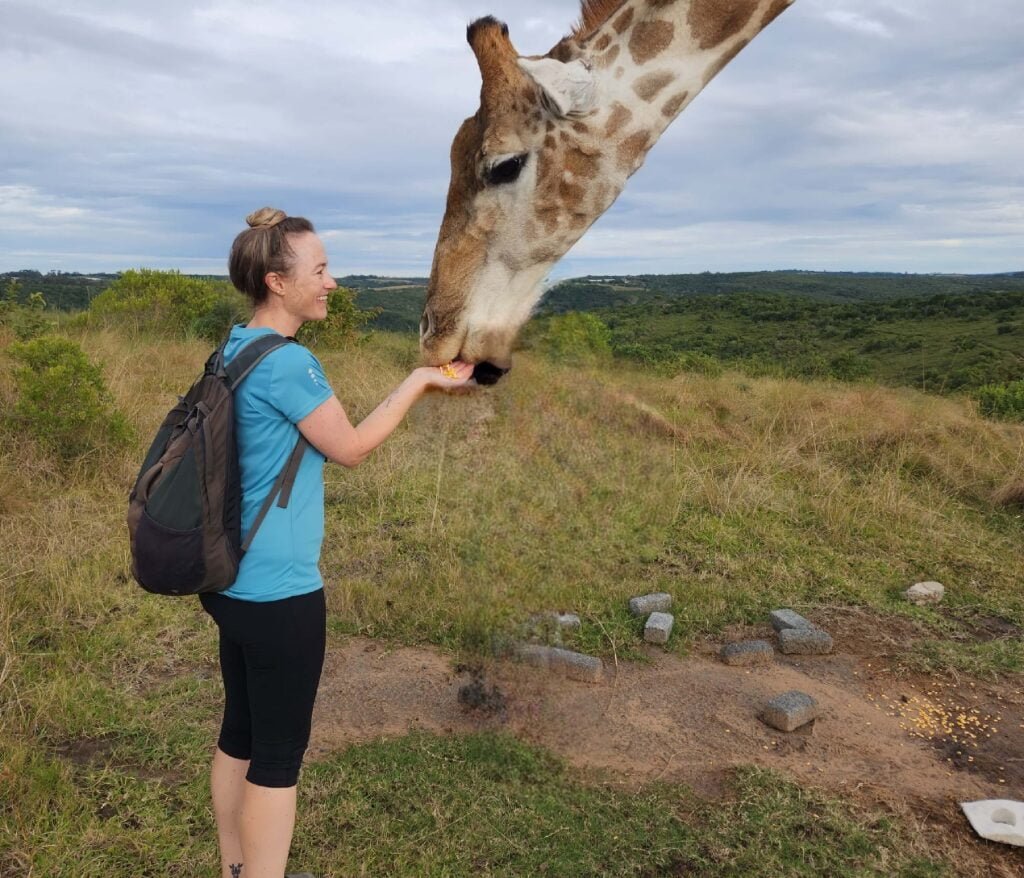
652,57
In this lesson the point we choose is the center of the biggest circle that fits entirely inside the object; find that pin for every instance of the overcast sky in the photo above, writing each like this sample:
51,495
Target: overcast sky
851,135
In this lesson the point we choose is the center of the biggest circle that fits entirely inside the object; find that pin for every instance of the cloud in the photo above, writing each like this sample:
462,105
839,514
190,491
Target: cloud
852,133
856,22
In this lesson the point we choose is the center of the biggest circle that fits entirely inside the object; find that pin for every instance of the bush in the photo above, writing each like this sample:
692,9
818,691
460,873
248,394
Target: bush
62,401
230,307
26,320
164,302
1005,401
576,337
343,325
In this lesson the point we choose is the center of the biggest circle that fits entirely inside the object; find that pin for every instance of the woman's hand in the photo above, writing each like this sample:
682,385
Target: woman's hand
456,374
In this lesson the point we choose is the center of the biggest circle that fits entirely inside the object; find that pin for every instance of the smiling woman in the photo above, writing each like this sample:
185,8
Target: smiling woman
272,618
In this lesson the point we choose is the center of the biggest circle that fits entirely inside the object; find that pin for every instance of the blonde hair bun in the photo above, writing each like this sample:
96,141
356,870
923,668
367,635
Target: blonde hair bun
265,218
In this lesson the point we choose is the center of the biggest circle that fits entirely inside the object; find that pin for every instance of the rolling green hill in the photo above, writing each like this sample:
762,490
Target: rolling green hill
937,343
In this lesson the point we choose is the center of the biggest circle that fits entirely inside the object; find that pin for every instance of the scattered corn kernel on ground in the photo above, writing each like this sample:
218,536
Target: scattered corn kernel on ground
940,719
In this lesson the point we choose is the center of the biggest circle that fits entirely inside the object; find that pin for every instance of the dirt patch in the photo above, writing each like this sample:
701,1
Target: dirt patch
692,720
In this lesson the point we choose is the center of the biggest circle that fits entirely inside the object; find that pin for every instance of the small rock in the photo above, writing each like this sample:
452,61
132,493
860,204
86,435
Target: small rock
925,593
997,820
642,605
575,665
535,654
658,627
805,641
568,620
783,619
747,652
790,710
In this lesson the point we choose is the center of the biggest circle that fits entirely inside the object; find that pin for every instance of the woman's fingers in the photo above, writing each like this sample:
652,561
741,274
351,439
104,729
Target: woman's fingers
456,373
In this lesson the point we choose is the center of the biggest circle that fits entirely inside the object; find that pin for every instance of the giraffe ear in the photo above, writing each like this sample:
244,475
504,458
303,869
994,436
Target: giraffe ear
569,88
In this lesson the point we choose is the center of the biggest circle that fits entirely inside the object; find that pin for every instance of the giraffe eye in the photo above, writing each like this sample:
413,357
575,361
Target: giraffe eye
506,171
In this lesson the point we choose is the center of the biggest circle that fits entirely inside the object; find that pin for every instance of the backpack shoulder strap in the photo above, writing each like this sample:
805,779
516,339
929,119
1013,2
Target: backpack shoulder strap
281,490
249,357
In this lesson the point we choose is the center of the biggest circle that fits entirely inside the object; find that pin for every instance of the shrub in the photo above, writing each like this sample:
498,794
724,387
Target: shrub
26,320
576,337
1004,401
230,307
62,401
343,325
164,302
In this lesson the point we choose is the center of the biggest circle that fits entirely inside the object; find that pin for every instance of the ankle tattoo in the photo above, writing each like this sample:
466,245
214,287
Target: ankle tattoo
236,869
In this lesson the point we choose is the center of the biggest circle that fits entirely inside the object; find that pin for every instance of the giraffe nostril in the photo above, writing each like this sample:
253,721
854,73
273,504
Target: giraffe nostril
426,325
487,373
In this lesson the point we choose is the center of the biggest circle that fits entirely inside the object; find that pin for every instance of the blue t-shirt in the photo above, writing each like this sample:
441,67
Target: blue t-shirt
286,386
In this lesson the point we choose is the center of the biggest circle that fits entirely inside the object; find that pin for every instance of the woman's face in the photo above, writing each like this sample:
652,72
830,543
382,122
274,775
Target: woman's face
308,282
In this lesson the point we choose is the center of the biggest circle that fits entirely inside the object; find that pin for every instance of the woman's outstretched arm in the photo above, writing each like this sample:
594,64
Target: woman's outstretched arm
329,430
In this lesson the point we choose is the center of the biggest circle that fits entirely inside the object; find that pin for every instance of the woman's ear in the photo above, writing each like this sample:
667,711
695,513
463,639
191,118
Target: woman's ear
274,283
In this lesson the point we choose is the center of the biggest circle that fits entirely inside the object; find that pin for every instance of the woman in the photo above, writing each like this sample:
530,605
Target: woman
272,619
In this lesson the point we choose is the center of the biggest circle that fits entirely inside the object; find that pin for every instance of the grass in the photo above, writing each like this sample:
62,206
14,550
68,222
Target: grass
562,489
482,804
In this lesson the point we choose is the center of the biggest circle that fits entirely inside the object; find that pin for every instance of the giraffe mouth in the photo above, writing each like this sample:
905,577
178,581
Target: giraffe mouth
487,373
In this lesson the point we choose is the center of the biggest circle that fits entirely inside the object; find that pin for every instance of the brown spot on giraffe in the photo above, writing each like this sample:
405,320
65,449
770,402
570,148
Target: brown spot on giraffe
608,58
674,104
602,43
550,142
581,164
623,21
620,115
571,195
716,68
648,87
649,39
712,22
632,150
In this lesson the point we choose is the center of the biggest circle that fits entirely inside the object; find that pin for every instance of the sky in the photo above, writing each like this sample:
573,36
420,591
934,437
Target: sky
851,135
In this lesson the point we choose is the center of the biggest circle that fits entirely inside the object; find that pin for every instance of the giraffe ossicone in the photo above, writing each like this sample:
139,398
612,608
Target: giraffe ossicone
551,147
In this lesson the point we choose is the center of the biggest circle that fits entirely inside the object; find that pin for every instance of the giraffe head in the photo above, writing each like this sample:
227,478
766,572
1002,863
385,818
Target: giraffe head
551,147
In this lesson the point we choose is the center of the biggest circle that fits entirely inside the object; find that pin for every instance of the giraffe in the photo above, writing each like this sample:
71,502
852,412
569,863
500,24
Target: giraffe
551,147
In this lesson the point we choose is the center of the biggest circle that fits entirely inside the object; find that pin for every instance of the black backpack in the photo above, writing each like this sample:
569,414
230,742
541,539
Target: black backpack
185,511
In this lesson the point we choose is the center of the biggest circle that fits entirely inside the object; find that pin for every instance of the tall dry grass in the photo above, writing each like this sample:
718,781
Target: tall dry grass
565,488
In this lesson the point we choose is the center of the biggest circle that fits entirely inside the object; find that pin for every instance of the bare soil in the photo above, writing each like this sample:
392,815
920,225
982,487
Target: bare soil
691,720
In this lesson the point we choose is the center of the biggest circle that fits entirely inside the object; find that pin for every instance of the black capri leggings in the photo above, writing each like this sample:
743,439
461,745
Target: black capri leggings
271,656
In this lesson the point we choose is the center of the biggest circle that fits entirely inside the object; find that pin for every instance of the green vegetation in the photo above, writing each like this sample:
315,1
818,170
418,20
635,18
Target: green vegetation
575,338
168,303
344,325
589,293
62,401
938,343
1002,400
64,291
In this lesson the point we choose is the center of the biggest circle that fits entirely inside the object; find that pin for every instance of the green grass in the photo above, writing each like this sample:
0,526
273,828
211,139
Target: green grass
482,804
